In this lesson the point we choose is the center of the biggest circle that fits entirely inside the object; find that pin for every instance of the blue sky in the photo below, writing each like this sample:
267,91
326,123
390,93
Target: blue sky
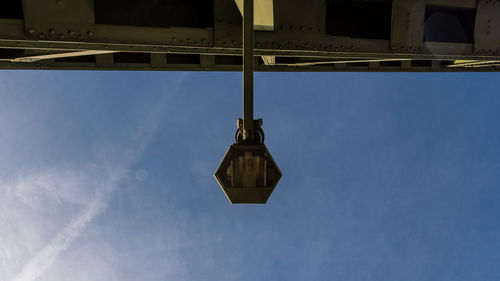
388,176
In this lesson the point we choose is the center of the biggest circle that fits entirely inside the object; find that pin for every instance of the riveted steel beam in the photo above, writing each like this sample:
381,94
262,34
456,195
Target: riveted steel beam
302,38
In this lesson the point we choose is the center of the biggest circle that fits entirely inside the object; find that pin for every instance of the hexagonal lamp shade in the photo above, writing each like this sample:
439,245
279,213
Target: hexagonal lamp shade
248,174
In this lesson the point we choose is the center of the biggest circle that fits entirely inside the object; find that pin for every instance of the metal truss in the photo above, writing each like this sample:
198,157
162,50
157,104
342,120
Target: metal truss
301,35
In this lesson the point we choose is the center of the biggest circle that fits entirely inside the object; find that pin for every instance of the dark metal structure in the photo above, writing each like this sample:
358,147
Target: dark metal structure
291,35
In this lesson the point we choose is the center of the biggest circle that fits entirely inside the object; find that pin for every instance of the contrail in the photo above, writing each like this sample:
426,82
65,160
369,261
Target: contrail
38,264
48,255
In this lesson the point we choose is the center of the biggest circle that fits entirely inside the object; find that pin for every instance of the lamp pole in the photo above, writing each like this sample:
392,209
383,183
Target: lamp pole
248,173
248,60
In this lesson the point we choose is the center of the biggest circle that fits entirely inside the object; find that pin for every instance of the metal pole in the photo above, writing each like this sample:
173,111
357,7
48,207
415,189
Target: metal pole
248,10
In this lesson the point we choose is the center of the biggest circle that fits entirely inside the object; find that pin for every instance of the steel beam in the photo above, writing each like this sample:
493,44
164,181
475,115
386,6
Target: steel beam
300,40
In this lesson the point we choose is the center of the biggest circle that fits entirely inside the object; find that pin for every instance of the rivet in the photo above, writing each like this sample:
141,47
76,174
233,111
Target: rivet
61,36
42,35
71,32
52,31
174,39
90,33
31,30
59,2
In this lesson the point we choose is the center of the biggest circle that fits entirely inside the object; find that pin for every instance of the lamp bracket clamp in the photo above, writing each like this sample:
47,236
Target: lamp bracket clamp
249,137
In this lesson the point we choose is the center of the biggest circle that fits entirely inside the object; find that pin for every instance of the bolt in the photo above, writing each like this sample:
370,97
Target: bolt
59,2
52,31
31,30
80,36
71,32
61,36
42,35
90,33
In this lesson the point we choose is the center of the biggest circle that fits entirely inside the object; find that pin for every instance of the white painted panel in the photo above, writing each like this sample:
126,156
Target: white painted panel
263,14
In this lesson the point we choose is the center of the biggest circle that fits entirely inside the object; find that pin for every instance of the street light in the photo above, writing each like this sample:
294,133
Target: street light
248,173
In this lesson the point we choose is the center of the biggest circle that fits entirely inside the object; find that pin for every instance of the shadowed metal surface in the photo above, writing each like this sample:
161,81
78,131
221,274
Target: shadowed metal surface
291,35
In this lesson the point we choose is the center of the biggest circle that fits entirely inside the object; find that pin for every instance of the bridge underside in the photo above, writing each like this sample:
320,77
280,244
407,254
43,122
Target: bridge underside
291,35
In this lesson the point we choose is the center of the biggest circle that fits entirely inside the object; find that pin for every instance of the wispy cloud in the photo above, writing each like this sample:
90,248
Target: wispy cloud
46,257
69,186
